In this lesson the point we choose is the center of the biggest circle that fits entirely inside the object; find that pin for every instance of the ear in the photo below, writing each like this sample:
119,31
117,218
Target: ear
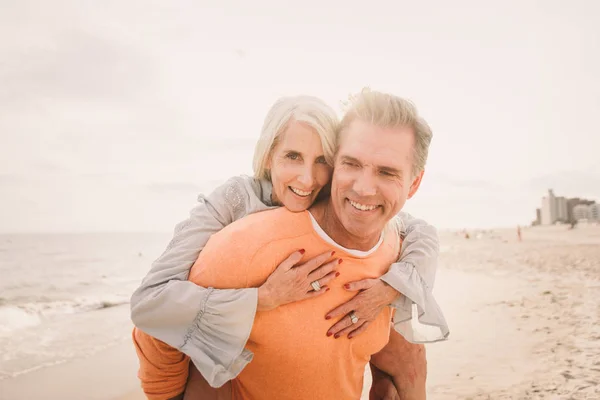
415,184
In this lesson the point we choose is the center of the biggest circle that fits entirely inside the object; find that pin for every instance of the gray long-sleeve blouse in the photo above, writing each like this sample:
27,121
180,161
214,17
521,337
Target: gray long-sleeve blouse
212,326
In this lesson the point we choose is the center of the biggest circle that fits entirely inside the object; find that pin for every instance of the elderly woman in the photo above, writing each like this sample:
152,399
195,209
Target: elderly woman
292,166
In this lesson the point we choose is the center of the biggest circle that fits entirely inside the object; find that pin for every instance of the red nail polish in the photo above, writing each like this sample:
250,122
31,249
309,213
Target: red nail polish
337,274
328,317
340,261
327,290
336,336
347,286
332,253
329,334
302,251
349,336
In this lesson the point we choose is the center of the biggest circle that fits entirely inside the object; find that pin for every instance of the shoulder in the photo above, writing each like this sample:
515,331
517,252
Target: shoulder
256,230
245,252
238,187
398,225
392,242
240,194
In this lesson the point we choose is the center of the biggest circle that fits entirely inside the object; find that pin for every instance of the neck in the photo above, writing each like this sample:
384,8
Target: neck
327,219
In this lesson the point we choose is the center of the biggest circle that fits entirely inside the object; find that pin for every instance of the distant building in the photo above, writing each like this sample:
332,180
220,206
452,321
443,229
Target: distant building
560,209
549,208
588,212
572,203
594,212
581,211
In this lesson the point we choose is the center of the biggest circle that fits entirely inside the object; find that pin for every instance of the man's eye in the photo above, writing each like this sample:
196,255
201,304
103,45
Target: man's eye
350,164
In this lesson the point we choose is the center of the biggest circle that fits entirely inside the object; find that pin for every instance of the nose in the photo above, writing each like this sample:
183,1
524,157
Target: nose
364,185
307,177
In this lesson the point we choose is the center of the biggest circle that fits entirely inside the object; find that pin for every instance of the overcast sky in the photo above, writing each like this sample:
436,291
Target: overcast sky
114,115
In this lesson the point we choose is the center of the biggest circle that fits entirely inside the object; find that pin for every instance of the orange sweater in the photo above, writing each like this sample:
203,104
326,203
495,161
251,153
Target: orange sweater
293,357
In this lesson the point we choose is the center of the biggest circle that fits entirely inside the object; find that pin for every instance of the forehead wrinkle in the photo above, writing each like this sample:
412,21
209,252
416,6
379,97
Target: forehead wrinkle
358,144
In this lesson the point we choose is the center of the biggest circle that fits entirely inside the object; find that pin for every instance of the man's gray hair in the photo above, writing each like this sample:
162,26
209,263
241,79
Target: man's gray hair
389,111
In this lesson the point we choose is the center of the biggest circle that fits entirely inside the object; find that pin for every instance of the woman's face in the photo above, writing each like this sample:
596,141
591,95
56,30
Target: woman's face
298,167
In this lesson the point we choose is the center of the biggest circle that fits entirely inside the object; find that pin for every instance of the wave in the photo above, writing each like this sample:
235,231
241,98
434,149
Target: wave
27,314
72,306
4,375
14,318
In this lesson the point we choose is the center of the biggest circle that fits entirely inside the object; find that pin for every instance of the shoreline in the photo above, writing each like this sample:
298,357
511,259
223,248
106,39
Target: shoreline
524,324
107,374
112,372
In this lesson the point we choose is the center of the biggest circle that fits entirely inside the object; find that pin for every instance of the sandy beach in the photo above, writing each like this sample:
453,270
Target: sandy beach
524,319
526,324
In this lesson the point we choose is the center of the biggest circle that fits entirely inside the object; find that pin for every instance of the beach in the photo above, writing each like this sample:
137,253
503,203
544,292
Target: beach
523,315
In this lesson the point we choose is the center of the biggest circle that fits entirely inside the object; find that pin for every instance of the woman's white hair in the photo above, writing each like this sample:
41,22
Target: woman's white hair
304,109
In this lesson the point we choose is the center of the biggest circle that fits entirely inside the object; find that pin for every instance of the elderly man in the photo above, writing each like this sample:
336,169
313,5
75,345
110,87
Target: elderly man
382,151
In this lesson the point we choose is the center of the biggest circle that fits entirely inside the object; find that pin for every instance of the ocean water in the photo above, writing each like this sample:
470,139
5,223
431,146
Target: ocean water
64,296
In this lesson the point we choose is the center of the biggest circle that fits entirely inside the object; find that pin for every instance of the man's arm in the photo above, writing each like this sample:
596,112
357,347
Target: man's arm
198,388
406,363
163,370
382,387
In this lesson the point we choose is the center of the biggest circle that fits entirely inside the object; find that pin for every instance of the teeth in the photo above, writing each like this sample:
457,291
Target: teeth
361,207
300,192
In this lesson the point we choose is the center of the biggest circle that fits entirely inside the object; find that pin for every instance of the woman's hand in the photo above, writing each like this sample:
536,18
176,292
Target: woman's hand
373,295
291,281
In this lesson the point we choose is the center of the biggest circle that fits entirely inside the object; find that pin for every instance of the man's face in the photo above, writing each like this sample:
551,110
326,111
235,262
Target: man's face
373,177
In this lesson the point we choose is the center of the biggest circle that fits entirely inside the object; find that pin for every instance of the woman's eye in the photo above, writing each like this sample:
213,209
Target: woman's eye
293,156
321,160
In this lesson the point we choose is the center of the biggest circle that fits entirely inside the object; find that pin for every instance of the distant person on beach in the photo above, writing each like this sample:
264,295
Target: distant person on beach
519,232
292,165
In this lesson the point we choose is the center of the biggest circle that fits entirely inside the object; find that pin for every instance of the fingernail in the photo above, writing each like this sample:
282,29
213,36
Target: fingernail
332,253
329,334
336,336
349,336
327,290
347,286
340,261
337,274
302,251
328,317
